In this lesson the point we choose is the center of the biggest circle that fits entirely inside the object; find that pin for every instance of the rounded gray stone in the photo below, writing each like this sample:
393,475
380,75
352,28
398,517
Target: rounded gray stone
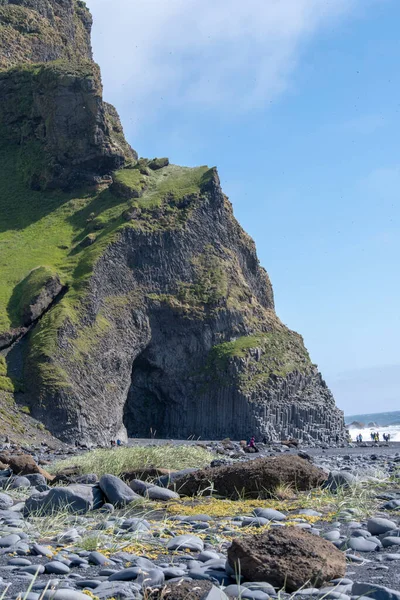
270,514
36,479
97,558
309,512
254,522
360,544
377,526
9,540
186,542
5,501
331,536
159,493
76,499
116,491
390,541
339,479
19,562
129,574
39,550
56,567
19,482
171,572
32,569
207,555
152,578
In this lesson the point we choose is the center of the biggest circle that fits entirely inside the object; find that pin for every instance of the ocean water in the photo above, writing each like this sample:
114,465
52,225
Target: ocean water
386,422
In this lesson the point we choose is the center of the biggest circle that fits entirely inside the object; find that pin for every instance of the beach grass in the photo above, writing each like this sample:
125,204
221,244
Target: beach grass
116,461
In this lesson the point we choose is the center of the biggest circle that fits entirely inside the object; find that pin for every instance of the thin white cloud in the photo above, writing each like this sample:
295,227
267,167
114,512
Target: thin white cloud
230,56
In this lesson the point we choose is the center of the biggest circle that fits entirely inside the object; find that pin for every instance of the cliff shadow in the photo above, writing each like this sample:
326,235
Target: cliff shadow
146,404
21,206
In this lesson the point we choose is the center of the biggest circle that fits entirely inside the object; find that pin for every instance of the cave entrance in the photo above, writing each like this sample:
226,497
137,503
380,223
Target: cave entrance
145,411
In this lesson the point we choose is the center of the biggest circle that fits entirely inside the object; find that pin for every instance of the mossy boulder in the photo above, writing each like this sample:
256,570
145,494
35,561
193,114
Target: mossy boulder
158,163
34,294
257,478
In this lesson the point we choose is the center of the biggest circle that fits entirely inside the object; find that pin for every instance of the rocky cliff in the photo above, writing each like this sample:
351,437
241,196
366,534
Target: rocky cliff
51,95
131,299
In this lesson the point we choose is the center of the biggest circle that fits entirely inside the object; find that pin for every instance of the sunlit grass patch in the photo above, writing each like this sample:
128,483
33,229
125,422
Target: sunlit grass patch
119,460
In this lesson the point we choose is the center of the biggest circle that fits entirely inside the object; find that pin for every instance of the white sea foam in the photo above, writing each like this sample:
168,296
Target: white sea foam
393,430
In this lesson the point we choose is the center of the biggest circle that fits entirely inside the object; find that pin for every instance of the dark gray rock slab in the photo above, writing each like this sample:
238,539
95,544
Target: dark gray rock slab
76,499
36,479
270,514
97,558
390,541
19,482
375,591
186,542
32,569
377,526
339,479
5,501
9,540
151,578
116,491
360,544
56,567
129,574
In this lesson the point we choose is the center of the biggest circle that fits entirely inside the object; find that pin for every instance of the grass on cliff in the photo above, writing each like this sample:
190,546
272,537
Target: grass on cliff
119,460
173,181
278,352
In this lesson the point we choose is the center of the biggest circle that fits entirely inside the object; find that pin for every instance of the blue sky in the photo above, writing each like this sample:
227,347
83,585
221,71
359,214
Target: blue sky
298,104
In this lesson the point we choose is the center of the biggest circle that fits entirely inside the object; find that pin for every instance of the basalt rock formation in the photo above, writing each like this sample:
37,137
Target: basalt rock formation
131,299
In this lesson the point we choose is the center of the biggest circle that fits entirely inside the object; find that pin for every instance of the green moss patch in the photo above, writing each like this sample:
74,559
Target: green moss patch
211,282
275,353
6,385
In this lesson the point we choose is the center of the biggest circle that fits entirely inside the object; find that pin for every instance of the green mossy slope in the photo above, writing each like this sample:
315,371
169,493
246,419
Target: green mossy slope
47,229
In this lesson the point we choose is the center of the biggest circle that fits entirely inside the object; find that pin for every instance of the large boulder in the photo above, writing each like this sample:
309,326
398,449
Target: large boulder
23,464
151,491
256,478
286,557
340,479
76,499
116,491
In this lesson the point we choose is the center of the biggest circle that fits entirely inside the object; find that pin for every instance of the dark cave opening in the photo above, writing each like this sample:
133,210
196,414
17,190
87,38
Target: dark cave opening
146,404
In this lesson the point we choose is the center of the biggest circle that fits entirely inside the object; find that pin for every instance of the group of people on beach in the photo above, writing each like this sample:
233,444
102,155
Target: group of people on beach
375,437
115,443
